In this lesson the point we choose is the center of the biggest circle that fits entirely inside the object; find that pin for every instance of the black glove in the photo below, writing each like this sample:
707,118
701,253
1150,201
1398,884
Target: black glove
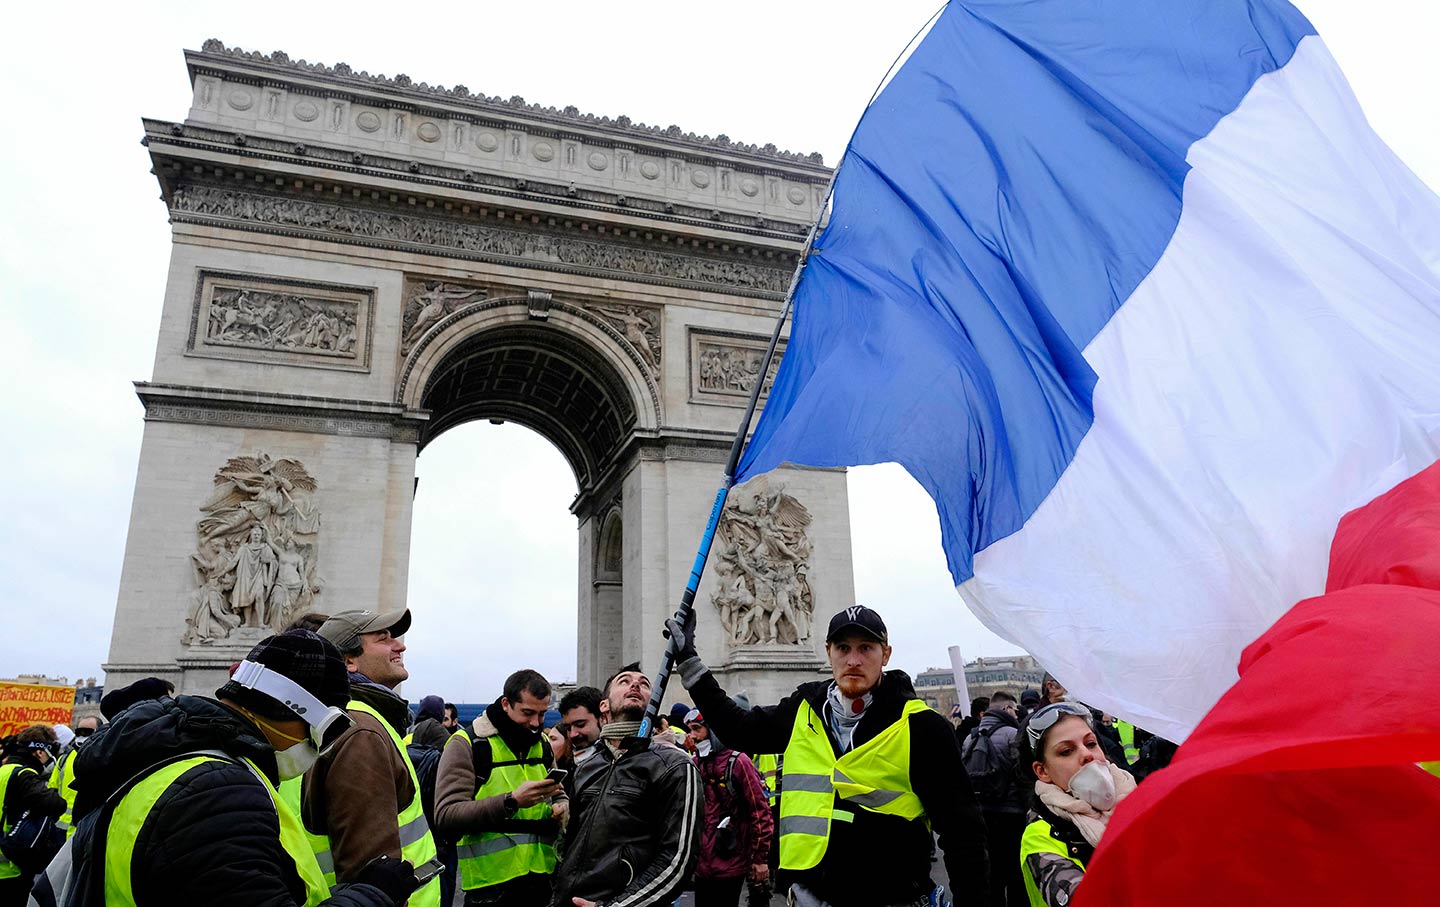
682,636
395,878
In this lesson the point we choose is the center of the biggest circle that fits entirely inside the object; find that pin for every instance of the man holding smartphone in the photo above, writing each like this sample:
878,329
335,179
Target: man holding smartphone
498,796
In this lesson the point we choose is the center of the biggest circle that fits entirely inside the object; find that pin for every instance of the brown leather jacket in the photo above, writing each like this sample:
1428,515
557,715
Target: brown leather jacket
355,794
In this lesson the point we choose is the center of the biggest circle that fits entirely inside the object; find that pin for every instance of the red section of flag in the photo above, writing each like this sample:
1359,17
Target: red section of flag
1300,785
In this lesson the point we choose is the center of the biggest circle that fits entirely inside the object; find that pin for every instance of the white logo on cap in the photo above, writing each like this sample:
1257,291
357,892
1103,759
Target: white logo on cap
853,611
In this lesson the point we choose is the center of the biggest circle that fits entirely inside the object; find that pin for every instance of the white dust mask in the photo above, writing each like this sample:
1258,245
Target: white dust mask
1095,785
294,761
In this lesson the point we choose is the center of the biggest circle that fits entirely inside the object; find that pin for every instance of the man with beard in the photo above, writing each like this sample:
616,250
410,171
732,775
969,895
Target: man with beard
580,722
636,830
869,770
494,798
362,800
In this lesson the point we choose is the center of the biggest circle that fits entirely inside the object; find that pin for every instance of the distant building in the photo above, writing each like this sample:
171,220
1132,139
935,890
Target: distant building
983,676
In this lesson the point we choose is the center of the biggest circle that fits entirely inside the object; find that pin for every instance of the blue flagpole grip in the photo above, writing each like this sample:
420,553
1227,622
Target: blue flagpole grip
687,604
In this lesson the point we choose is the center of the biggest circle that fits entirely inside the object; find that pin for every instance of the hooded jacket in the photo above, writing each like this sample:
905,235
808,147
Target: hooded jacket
877,860
355,793
213,836
732,788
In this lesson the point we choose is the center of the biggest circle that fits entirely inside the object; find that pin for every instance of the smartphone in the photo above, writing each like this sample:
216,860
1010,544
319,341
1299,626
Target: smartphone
557,775
428,870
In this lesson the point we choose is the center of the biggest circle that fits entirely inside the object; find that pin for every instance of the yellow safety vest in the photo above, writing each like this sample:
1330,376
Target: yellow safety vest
768,766
9,870
59,782
1127,740
417,844
1037,839
875,776
491,857
135,807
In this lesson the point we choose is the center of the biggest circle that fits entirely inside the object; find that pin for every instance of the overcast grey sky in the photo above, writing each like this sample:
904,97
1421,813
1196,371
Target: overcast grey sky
84,246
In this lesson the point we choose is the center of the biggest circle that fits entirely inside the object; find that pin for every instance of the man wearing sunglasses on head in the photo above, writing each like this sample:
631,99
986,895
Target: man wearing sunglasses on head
176,798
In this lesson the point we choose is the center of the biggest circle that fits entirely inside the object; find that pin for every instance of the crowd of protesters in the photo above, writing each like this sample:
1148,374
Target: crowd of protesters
307,779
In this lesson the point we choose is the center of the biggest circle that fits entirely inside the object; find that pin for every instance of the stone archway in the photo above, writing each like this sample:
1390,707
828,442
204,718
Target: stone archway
359,264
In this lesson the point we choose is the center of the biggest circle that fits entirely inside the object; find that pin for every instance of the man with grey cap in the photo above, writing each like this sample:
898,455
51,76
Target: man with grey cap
869,770
362,799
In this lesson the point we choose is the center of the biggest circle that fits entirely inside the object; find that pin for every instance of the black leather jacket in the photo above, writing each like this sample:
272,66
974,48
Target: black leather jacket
634,835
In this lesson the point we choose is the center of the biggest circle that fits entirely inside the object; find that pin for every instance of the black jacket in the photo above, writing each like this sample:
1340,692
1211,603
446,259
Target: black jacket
213,837
877,860
634,833
27,790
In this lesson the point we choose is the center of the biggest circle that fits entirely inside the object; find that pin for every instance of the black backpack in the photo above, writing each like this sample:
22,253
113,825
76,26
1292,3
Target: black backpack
426,760
991,778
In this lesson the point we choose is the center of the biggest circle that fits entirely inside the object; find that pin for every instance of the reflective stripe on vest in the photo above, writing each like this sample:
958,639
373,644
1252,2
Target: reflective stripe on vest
135,807
490,858
59,782
417,844
1127,739
874,777
9,870
1037,839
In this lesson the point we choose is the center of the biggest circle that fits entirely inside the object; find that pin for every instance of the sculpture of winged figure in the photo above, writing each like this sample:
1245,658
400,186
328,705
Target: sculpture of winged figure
251,490
255,558
764,594
641,328
432,302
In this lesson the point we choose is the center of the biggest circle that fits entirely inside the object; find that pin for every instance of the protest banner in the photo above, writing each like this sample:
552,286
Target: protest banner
26,704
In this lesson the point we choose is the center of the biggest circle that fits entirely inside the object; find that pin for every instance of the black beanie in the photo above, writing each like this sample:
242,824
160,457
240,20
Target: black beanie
117,701
306,658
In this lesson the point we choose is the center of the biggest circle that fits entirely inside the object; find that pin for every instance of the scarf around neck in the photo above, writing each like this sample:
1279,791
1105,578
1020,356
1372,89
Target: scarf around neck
843,716
1087,819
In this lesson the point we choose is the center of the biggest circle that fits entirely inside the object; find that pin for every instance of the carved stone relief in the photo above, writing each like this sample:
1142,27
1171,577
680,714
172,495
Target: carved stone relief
427,302
725,366
553,251
241,316
256,552
762,566
641,327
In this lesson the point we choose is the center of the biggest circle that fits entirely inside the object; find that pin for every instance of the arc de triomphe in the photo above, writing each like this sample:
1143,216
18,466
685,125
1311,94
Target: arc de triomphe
359,263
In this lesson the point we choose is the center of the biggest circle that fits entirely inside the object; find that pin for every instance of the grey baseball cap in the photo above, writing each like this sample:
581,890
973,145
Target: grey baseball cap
342,629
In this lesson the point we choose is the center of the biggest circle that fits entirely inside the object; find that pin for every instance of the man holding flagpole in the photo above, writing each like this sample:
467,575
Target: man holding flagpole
869,770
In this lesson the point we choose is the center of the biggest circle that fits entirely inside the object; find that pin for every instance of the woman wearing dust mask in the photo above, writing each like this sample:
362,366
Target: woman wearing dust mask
1076,791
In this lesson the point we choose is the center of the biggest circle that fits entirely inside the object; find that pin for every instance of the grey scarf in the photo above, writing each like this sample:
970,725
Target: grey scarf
842,717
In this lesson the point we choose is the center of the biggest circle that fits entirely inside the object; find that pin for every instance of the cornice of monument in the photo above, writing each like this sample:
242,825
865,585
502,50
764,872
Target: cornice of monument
232,408
214,54
163,134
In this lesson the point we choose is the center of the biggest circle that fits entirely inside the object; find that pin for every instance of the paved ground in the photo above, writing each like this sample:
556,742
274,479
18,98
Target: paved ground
937,873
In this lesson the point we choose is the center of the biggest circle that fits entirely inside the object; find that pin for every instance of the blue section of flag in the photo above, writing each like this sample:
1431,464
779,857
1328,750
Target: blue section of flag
1000,200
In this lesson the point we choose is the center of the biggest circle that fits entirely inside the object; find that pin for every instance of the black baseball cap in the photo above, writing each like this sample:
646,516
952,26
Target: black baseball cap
860,618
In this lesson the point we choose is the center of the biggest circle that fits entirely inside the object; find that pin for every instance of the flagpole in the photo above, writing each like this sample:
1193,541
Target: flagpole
737,447
702,555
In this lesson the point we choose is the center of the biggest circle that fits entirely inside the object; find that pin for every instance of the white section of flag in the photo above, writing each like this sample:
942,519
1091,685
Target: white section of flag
1278,367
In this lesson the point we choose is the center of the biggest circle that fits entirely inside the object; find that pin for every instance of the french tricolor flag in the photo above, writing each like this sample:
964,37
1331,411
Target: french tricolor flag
1134,291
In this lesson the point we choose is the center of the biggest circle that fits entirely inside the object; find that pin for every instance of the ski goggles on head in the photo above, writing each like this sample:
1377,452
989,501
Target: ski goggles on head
1044,719
326,722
